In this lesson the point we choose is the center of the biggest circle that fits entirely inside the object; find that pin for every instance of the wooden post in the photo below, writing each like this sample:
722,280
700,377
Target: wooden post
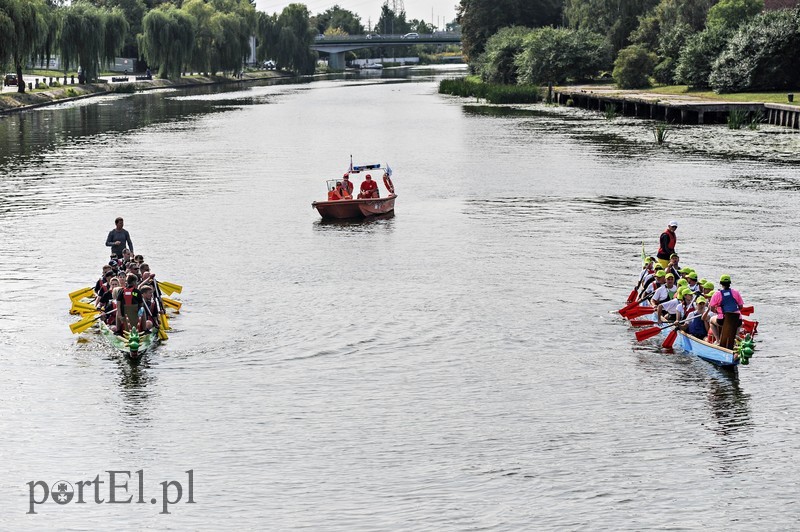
700,117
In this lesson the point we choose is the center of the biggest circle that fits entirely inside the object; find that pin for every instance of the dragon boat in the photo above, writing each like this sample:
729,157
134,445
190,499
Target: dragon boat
346,209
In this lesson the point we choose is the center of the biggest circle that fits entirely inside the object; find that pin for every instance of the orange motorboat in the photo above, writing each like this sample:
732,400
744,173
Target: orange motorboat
342,206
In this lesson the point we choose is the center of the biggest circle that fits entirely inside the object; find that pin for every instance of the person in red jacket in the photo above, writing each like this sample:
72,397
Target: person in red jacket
369,188
667,242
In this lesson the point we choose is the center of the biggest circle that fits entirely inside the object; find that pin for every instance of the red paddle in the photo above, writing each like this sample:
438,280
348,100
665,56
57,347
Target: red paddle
750,326
632,296
638,312
746,311
644,334
642,323
670,339
629,306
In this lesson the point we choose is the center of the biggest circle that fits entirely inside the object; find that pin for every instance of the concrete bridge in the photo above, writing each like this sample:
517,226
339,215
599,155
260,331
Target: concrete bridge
336,46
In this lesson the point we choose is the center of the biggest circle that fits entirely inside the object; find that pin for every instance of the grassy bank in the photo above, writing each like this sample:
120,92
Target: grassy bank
765,97
472,86
15,101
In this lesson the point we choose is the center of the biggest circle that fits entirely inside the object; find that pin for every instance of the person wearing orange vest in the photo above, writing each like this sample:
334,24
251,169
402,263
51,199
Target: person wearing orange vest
667,242
347,185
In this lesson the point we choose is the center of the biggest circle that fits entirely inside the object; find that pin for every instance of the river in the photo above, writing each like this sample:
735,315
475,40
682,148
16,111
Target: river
455,367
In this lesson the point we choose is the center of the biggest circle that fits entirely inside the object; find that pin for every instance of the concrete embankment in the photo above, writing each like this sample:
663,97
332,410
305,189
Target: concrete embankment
679,108
11,102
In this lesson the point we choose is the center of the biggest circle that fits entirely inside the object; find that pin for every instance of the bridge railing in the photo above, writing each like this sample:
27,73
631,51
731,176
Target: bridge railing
439,36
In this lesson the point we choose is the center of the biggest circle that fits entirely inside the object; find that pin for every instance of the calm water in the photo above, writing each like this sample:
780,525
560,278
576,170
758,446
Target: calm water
455,367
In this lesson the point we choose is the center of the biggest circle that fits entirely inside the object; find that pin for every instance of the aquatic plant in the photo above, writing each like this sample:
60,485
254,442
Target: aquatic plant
755,120
610,112
491,92
737,118
661,132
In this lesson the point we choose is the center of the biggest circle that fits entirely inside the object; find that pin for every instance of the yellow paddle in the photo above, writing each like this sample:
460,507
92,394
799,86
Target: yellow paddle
170,288
85,323
80,294
172,303
163,325
80,306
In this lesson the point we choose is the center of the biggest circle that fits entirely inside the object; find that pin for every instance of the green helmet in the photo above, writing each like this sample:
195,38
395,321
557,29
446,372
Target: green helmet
702,282
700,299
660,273
708,285
725,278
693,275
682,282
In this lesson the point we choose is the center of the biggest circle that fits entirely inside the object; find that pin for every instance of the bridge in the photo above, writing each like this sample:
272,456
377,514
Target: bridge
336,46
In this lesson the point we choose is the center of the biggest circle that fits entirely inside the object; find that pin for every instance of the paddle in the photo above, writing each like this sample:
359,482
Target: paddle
654,331
162,317
85,323
631,305
750,326
172,303
171,288
746,311
80,294
638,312
632,295
670,339
642,323
81,307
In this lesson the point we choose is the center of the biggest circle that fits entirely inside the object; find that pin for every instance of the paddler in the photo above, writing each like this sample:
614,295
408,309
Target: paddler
129,302
150,315
697,320
675,309
693,285
674,267
653,284
726,302
666,292
667,242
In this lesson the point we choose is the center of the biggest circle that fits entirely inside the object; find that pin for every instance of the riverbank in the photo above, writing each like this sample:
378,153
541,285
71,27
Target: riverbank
11,102
672,104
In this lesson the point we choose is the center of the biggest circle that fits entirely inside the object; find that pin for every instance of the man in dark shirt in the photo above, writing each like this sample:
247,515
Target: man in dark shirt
119,238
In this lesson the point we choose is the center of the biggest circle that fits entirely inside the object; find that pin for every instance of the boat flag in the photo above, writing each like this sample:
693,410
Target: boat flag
350,171
388,170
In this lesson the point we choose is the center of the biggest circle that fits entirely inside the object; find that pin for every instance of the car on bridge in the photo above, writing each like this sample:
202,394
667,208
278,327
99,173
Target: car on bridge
373,36
412,35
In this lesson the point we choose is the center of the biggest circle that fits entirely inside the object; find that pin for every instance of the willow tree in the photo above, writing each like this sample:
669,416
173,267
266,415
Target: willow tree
167,40
203,59
294,40
25,24
90,37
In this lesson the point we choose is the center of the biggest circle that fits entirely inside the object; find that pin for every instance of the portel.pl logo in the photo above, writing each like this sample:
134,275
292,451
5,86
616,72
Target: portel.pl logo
116,491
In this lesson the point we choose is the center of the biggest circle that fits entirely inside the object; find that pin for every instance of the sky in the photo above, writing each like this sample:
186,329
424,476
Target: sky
443,10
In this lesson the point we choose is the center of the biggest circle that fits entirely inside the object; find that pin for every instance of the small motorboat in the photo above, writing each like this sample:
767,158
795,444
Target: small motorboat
358,207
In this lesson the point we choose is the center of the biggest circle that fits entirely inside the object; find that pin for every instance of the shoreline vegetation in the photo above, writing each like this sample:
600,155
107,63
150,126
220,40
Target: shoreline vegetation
20,101
474,87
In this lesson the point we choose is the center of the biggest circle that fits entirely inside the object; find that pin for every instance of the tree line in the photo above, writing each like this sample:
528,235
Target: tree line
172,36
725,45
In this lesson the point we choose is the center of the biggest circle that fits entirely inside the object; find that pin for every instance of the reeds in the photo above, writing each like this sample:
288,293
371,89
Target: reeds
737,118
661,132
491,92
610,112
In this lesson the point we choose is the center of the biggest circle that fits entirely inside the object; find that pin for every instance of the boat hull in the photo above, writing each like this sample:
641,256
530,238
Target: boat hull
354,208
700,348
146,342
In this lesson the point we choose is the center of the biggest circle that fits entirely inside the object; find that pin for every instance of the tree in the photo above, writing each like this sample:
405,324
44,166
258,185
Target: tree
553,55
732,13
167,40
761,55
337,17
615,19
26,27
134,11
480,19
90,37
698,55
287,38
390,22
633,67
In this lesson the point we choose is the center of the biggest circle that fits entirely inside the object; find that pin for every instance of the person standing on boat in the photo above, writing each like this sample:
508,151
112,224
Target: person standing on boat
118,238
369,188
726,302
667,243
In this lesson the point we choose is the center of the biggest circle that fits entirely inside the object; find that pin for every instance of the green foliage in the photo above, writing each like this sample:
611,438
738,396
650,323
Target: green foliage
497,64
491,92
390,22
338,17
294,37
615,19
124,88
90,37
167,40
633,67
698,55
71,93
737,118
730,14
661,132
553,55
761,55
610,112
25,27
480,19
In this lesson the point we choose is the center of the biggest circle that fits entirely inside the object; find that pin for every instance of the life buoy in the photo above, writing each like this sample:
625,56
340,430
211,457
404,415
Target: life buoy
388,182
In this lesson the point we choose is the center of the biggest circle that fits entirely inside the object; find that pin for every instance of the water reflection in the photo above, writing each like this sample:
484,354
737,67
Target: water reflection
366,225
134,379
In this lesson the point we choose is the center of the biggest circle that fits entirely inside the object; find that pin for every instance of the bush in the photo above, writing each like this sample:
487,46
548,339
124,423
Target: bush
664,72
55,84
71,92
761,55
698,56
42,86
729,14
633,67
558,54
497,64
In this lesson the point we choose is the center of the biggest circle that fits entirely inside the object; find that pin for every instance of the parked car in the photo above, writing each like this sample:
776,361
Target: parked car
412,35
320,36
11,79
269,65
